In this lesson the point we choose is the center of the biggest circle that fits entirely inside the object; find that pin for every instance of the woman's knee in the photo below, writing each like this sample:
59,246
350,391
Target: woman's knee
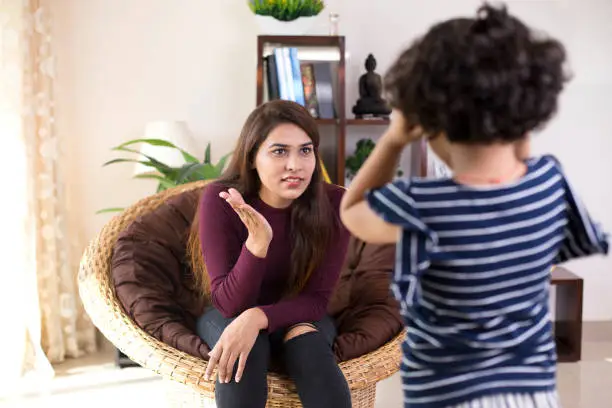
311,363
252,390
299,330
261,347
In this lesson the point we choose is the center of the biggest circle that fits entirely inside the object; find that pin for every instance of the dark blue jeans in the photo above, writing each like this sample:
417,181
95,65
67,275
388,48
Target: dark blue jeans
308,359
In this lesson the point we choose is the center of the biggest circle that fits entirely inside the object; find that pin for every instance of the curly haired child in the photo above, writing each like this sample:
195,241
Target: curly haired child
475,250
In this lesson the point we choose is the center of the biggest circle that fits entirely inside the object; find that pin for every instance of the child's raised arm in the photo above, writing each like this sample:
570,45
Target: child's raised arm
377,171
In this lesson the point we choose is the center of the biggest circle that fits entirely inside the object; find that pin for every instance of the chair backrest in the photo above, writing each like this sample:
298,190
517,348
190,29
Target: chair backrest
101,247
96,287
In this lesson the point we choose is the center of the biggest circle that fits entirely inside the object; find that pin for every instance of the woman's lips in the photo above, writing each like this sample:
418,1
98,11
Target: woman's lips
293,182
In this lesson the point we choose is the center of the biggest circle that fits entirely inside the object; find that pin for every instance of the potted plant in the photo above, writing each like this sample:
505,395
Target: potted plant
168,176
356,160
286,17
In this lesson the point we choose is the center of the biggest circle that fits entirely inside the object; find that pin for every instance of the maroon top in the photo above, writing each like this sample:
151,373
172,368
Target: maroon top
240,280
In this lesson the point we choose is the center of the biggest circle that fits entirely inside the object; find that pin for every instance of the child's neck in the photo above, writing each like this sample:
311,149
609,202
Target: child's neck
486,165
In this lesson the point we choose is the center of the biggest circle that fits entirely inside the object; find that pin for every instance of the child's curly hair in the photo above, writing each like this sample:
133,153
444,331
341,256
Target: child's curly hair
482,80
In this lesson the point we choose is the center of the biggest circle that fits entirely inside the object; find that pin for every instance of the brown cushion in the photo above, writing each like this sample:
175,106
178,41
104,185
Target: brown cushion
154,284
153,279
365,312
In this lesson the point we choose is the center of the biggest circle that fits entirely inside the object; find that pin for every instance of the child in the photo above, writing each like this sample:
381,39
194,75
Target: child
474,251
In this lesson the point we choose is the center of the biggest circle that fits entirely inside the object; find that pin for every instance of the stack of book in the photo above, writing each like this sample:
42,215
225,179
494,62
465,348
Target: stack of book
309,83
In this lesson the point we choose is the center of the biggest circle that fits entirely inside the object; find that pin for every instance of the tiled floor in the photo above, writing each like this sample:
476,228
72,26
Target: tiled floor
95,382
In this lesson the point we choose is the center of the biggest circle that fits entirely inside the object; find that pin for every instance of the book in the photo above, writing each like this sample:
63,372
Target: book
298,87
324,89
310,93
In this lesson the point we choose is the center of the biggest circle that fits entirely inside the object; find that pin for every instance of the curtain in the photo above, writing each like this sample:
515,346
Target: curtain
43,319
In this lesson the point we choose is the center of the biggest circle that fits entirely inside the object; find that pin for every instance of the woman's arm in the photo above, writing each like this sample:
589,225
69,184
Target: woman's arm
235,272
311,304
377,171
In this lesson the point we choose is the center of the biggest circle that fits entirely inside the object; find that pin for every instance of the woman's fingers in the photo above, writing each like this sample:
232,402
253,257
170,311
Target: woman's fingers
235,196
222,371
212,363
241,365
246,219
251,215
255,223
230,367
244,211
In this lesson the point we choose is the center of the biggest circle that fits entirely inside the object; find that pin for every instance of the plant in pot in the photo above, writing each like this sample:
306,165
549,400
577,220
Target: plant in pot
285,17
363,150
169,176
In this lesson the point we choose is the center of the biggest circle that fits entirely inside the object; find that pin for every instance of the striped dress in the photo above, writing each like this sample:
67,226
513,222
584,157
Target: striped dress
473,281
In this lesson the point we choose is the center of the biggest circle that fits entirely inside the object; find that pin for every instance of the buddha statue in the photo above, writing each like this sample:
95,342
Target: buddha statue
370,102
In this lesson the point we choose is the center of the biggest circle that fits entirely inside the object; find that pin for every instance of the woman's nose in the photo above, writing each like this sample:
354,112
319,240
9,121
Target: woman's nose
293,162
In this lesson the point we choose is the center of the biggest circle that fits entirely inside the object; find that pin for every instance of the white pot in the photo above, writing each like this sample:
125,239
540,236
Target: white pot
271,26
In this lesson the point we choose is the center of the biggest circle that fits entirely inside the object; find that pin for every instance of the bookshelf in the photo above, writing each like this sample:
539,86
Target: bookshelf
331,48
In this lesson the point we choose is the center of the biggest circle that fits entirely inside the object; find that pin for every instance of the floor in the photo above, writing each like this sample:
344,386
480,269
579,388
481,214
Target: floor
94,382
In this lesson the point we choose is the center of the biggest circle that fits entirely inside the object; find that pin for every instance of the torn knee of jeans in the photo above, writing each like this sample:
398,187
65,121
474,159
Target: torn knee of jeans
299,330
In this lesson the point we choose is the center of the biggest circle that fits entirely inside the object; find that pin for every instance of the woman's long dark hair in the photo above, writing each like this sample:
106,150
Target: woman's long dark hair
311,216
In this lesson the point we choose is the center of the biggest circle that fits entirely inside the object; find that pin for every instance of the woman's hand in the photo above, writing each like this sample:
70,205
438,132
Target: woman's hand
260,231
236,343
400,132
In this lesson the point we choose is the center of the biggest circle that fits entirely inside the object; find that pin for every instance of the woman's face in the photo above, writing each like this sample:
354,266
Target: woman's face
285,163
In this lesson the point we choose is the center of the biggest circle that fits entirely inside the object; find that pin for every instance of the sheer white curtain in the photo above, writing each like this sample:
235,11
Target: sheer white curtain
42,318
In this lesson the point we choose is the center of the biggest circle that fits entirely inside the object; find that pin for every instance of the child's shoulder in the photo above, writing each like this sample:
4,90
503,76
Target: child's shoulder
543,160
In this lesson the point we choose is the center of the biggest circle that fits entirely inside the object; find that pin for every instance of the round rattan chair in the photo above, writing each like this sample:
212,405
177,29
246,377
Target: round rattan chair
186,385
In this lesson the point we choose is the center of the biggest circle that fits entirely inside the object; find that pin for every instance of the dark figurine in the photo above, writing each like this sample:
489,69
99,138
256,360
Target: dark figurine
371,103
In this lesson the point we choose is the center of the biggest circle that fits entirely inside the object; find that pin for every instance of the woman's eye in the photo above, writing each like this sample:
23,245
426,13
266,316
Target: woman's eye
279,151
306,150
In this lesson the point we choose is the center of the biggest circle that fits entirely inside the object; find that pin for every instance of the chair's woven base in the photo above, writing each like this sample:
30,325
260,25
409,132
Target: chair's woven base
182,396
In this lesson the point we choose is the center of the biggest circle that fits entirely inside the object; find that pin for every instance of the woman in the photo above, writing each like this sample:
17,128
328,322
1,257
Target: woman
267,247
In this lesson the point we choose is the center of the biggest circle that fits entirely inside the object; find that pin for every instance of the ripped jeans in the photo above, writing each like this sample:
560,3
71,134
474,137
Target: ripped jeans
307,358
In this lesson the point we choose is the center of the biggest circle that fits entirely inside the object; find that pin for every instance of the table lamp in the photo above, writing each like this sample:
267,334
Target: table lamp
175,132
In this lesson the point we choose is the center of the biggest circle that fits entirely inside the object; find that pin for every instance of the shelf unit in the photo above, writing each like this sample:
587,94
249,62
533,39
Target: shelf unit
341,123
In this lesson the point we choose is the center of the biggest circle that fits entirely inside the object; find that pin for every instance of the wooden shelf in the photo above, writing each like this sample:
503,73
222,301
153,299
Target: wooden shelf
320,41
341,123
327,121
367,122
303,40
568,314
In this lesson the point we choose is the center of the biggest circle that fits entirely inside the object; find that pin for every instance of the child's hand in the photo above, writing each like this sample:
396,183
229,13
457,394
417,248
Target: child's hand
401,132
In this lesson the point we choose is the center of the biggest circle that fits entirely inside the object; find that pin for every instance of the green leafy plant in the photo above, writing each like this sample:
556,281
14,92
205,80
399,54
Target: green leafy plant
362,152
167,176
286,10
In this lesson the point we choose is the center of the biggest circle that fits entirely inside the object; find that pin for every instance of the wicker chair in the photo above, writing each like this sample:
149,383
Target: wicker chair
186,385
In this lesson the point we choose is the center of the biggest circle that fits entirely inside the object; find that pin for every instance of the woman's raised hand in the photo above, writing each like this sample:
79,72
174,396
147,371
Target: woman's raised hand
260,231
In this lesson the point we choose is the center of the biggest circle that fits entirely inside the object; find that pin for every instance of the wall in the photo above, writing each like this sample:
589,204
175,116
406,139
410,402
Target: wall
121,63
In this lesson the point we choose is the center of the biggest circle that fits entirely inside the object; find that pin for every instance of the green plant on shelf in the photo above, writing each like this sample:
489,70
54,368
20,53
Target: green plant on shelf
363,150
168,176
286,10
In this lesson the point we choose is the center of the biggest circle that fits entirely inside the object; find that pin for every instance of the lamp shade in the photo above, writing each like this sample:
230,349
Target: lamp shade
175,132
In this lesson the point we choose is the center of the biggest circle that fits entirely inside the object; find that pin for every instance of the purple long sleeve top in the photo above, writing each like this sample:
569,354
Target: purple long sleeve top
239,280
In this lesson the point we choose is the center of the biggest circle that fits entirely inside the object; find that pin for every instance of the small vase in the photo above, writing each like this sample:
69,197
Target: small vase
271,26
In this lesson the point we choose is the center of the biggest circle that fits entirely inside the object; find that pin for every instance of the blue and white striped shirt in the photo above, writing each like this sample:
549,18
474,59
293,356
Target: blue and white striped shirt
473,279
